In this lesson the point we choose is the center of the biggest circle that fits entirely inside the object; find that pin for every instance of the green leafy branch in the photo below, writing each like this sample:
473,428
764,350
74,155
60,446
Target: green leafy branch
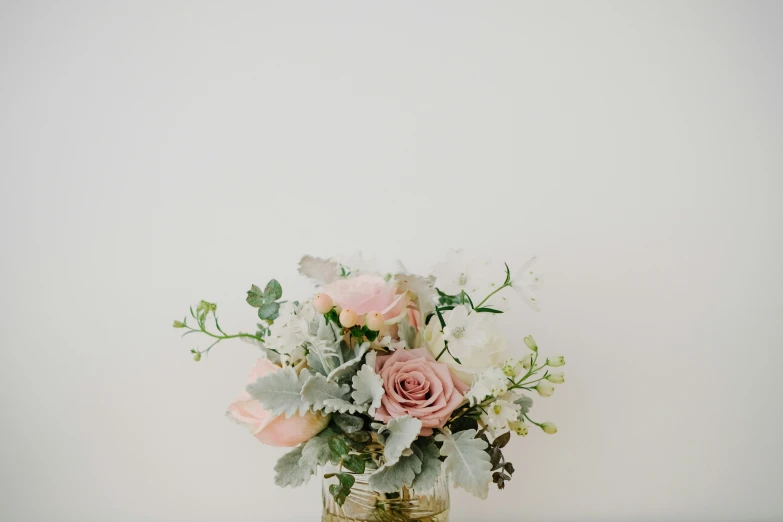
201,315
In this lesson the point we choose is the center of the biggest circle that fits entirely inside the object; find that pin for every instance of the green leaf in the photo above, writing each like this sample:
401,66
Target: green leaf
488,310
463,423
353,463
273,290
290,471
269,311
338,446
281,392
440,317
371,335
342,489
466,461
348,423
501,440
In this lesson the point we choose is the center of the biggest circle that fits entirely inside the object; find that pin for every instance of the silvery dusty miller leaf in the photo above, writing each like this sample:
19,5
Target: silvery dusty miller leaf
316,451
390,478
322,271
290,471
525,403
399,434
324,395
430,464
280,392
467,464
352,358
368,385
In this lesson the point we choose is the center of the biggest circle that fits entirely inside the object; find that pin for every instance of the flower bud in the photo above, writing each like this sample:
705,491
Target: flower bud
531,343
322,303
374,321
527,361
196,356
348,318
179,324
519,427
545,389
556,361
549,428
556,378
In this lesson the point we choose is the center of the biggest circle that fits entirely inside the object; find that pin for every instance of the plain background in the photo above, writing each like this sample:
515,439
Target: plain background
158,153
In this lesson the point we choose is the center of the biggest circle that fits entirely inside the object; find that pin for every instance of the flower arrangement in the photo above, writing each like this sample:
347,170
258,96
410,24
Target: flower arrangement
398,377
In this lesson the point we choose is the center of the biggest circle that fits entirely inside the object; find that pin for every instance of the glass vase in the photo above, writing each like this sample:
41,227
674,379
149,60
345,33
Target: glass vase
365,505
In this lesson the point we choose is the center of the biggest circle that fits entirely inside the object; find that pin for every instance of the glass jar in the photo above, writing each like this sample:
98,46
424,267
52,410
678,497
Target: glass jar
365,505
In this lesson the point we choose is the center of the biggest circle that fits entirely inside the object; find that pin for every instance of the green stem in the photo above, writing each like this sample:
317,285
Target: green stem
498,289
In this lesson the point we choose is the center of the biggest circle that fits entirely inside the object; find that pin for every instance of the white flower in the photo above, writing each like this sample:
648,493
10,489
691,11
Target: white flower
513,367
457,274
463,331
287,331
490,353
490,383
392,345
499,414
519,427
525,281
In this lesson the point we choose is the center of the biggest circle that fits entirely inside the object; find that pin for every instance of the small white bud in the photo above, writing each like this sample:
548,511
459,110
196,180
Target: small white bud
549,428
531,343
545,389
556,378
556,361
527,361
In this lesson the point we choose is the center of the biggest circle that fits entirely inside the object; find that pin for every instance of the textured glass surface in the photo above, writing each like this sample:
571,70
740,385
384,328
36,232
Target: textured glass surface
408,505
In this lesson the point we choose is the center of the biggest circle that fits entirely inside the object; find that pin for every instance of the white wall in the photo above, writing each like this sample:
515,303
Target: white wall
158,153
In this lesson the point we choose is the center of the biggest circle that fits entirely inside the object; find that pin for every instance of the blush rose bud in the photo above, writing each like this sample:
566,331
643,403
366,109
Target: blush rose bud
348,318
555,362
549,428
374,321
531,343
545,389
556,378
322,303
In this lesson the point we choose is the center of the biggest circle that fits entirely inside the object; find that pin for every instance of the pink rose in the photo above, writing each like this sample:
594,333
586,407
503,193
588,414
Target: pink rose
270,429
368,293
419,386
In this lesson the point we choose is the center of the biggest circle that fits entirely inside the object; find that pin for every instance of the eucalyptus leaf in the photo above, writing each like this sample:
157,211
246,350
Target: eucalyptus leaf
269,311
273,290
